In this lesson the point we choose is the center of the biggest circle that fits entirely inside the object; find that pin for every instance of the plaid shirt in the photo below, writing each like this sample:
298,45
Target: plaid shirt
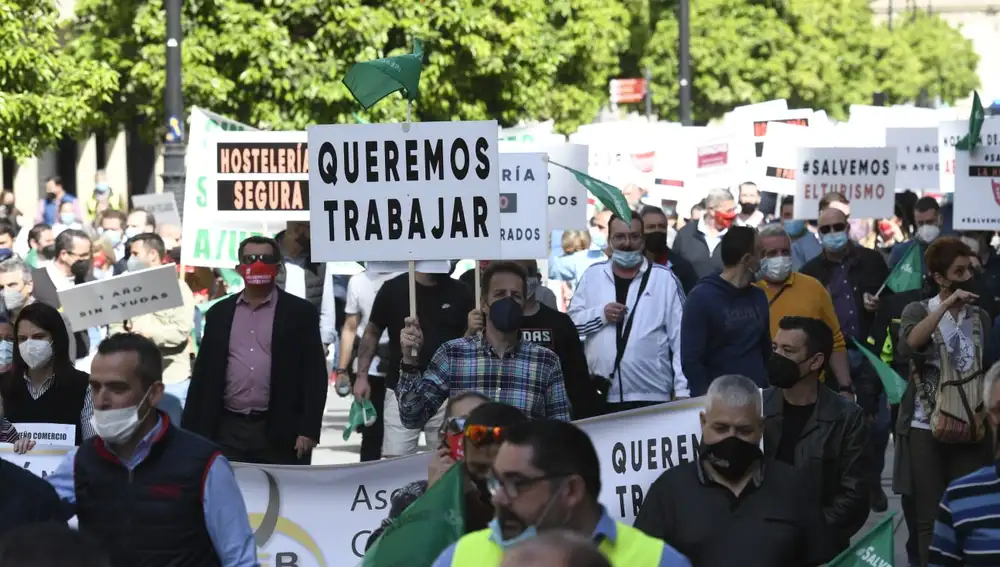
528,377
86,429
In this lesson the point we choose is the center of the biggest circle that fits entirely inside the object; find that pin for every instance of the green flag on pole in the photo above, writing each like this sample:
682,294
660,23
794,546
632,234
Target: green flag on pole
371,81
358,119
424,529
874,548
907,275
976,119
891,381
609,195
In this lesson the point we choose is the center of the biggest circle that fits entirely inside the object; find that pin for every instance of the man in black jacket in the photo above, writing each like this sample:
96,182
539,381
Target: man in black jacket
815,430
259,384
698,241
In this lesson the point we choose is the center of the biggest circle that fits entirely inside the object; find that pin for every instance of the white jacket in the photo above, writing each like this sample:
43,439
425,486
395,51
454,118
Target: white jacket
651,370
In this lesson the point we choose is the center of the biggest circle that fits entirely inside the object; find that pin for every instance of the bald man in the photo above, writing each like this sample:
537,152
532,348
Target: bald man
559,548
171,235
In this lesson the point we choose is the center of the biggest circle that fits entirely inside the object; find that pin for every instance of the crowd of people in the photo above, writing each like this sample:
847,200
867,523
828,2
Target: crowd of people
771,319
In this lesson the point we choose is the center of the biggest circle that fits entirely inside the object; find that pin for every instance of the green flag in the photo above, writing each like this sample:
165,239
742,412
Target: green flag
424,529
976,119
874,548
907,275
607,194
371,81
358,119
360,414
893,384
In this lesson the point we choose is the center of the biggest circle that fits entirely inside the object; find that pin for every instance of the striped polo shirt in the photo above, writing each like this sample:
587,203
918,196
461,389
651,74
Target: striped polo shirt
967,530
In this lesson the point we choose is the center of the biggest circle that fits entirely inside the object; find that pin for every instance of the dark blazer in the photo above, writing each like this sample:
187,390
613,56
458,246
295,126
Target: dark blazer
690,245
832,451
44,291
866,272
298,372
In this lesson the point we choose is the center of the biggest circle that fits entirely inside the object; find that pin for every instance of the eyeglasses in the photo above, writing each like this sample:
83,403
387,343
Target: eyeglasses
262,258
484,434
836,227
513,487
622,237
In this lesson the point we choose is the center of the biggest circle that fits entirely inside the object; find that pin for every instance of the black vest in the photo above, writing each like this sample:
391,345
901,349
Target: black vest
152,516
61,403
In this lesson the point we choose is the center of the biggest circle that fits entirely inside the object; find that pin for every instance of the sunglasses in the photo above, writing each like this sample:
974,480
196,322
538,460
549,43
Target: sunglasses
836,227
454,426
484,434
262,258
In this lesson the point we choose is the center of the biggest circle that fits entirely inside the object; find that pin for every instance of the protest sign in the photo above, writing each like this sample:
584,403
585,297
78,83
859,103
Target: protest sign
977,181
262,176
382,193
523,206
163,207
48,433
116,299
41,461
917,165
761,119
567,208
865,176
209,241
777,167
948,134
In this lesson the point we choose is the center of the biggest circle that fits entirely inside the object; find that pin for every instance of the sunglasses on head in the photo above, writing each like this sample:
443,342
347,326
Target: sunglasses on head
454,426
836,227
262,258
484,434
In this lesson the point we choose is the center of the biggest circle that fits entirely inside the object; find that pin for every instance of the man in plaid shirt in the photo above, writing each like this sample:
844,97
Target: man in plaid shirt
495,362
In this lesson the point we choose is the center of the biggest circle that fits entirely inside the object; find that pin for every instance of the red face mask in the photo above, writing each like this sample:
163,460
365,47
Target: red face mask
259,273
724,220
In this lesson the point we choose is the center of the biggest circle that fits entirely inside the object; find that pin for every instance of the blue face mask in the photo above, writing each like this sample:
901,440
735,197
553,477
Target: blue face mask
102,187
67,218
529,532
794,228
114,237
626,258
835,241
597,240
6,353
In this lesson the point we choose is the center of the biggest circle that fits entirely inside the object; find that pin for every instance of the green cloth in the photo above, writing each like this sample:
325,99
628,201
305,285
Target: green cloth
360,414
874,548
31,259
425,528
893,384
371,81
907,275
609,195
976,118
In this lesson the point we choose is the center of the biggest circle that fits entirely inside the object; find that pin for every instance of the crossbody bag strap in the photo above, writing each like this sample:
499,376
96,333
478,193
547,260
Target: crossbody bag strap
626,330
777,295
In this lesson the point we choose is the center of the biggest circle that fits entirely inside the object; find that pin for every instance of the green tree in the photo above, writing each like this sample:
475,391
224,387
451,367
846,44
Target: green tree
278,64
45,93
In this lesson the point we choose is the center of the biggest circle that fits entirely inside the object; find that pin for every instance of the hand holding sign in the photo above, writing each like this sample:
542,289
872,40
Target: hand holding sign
410,341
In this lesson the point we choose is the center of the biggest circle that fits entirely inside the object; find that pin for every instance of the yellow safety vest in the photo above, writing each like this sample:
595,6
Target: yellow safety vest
631,548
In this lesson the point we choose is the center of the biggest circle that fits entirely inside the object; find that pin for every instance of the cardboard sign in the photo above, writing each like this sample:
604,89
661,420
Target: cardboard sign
917,164
948,134
567,204
163,207
977,182
760,124
39,461
261,176
776,168
48,433
865,176
116,299
378,192
523,206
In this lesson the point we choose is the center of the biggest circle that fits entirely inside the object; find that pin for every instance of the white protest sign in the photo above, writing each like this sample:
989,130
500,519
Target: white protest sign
209,241
948,134
263,176
761,119
917,165
776,168
523,206
115,299
378,192
865,176
48,433
163,207
977,182
42,461
567,204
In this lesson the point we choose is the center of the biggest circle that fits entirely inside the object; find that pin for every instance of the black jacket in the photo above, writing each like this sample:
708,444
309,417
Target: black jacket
298,372
27,499
690,245
832,451
866,272
681,268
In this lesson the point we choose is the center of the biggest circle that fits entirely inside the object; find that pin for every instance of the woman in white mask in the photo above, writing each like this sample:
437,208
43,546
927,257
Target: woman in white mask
42,385
8,433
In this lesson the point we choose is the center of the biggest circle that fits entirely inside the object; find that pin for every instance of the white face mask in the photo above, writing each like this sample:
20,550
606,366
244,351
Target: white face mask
6,353
134,264
12,298
117,426
928,233
35,352
776,269
132,231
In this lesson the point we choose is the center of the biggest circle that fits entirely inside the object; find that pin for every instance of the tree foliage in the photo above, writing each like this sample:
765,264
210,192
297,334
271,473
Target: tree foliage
44,91
278,63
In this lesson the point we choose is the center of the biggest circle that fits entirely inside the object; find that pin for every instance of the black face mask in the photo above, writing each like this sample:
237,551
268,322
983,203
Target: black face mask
748,208
970,286
782,371
175,254
439,278
303,242
50,196
732,457
480,484
80,269
506,315
656,242
48,252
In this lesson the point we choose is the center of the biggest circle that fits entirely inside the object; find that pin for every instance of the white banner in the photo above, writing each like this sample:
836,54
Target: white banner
163,207
948,134
102,302
290,508
917,165
388,192
208,241
524,207
41,460
865,176
977,182
48,433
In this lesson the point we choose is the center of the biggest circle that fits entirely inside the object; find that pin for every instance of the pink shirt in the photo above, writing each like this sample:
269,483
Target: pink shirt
248,377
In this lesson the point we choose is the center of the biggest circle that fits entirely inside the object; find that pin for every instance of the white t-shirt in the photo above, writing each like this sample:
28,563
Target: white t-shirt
361,291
